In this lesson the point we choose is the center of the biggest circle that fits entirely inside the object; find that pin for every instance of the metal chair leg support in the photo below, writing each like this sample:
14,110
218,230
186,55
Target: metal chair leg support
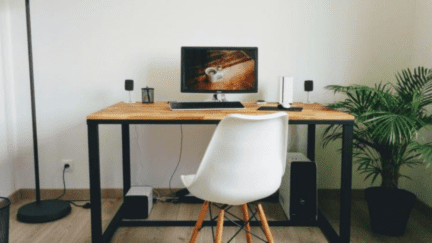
219,227
242,228
253,216
226,211
212,219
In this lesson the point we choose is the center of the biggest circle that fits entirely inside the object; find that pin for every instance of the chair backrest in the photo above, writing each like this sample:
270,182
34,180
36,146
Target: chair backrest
245,159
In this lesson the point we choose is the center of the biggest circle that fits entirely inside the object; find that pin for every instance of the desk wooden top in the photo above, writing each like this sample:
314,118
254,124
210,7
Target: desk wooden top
161,111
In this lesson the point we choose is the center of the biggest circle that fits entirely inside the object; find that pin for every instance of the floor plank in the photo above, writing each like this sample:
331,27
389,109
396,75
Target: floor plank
76,226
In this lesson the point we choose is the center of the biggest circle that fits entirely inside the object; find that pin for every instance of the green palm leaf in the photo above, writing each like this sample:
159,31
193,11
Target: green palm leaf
409,84
390,128
424,151
387,120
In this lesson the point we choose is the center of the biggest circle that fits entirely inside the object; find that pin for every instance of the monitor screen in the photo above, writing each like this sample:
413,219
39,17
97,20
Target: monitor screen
219,69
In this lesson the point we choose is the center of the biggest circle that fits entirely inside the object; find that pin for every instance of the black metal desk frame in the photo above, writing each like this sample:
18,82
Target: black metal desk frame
322,222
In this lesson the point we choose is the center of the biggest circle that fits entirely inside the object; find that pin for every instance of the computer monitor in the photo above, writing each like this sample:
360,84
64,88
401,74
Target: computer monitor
219,70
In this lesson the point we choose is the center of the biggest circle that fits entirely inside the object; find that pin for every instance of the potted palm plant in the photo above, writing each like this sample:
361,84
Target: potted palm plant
388,118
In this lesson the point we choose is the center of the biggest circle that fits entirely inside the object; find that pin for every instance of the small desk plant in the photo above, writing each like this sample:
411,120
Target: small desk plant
388,119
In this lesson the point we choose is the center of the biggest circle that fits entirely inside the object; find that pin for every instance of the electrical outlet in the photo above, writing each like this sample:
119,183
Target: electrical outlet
70,163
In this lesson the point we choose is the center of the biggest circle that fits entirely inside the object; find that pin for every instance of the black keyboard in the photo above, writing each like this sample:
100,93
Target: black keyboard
212,105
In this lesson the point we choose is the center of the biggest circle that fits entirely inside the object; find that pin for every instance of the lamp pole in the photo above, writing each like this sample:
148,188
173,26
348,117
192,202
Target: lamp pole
33,101
48,210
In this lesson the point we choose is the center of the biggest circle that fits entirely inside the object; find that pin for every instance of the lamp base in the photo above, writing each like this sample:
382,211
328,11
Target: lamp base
43,211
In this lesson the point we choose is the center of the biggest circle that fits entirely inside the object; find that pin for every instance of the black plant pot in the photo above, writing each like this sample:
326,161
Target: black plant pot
389,209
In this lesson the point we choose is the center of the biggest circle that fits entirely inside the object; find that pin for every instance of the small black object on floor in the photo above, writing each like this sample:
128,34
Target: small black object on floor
44,211
87,205
183,192
279,108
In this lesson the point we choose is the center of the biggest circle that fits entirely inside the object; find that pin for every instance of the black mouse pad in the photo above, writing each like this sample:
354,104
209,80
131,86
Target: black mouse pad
279,108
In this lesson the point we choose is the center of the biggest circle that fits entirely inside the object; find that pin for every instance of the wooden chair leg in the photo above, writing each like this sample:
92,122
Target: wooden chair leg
199,222
219,227
264,224
247,226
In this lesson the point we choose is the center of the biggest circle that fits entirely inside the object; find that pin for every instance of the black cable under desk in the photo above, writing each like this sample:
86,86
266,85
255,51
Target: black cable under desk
159,113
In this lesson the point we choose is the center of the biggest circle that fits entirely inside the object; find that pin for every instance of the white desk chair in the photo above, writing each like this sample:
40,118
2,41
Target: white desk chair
244,162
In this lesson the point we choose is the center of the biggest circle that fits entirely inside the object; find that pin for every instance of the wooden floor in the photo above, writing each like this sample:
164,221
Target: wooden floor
76,226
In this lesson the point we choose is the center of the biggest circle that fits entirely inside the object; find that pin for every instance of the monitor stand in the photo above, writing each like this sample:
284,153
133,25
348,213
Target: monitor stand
220,98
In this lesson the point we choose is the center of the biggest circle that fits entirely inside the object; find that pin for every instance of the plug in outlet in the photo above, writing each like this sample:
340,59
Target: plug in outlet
68,162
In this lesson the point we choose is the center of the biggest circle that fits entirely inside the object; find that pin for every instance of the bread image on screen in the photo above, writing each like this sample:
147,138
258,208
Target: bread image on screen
219,70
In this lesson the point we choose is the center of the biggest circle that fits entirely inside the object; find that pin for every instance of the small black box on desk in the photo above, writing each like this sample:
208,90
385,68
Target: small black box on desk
138,203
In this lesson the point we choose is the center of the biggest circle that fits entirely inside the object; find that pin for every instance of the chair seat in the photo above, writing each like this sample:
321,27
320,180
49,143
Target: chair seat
227,195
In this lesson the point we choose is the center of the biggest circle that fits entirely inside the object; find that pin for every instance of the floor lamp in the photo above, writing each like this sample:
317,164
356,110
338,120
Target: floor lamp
47,210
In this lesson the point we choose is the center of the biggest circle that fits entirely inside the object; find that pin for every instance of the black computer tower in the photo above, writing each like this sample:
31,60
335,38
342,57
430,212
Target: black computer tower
303,204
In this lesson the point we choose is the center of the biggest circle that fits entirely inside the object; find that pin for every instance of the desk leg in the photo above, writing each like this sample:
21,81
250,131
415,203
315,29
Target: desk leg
311,142
346,183
95,187
126,158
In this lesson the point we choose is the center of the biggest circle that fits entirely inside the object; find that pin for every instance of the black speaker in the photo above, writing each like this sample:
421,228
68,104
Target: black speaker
129,85
308,85
303,194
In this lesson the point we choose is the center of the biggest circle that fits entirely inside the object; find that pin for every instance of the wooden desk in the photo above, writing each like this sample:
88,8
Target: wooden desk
160,113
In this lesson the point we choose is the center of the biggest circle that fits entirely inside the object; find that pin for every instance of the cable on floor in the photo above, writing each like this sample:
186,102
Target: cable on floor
87,205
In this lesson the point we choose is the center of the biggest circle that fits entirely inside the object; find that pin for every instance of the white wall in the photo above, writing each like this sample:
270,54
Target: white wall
7,141
421,183
84,50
